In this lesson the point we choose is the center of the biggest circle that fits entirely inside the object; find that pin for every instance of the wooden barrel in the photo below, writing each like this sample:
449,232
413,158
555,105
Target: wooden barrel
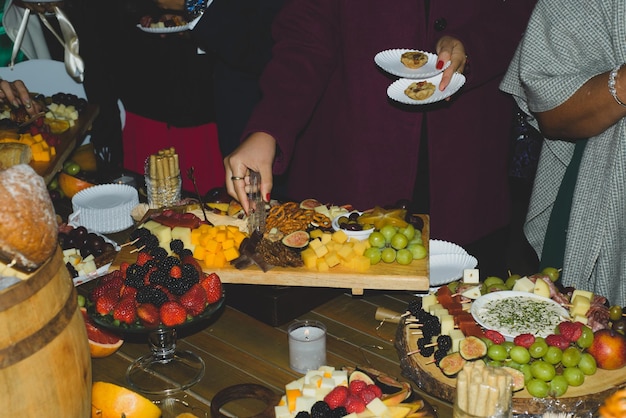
45,365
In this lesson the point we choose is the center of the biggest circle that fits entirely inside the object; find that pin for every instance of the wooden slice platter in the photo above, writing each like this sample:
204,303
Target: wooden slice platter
382,276
428,377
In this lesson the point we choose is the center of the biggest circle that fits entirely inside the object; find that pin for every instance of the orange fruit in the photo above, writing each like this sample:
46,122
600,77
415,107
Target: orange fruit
102,343
109,400
85,157
71,185
57,126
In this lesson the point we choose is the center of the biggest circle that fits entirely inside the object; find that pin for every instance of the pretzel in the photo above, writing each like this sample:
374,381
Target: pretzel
289,217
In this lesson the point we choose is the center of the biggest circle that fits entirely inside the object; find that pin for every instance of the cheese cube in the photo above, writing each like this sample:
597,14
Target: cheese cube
585,293
580,305
524,284
327,370
304,403
340,377
282,411
326,237
428,301
456,335
434,307
309,389
313,376
447,324
295,384
327,382
582,319
377,407
470,276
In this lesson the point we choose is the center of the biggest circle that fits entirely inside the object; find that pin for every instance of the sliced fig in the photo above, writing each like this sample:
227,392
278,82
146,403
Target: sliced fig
451,364
297,239
310,203
359,375
517,378
472,348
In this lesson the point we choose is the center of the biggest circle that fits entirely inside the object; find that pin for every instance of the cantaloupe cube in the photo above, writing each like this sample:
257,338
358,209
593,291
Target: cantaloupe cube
36,147
340,236
209,259
220,260
221,236
228,243
199,252
321,251
212,246
41,156
326,237
322,265
332,259
53,151
38,138
309,258
195,236
238,236
231,253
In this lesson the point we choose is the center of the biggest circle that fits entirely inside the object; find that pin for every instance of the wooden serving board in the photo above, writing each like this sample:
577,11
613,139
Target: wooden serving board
381,276
428,377
69,140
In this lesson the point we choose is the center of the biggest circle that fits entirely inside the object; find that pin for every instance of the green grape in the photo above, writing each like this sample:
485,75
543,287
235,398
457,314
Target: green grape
519,354
587,364
542,370
494,363
558,386
418,251
388,232
417,239
408,231
528,375
508,345
388,255
574,376
374,254
399,241
487,341
376,239
571,357
512,364
553,355
586,338
404,257
538,388
538,349
615,312
497,352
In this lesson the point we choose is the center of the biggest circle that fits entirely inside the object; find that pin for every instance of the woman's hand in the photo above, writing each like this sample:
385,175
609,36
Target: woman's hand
450,49
255,153
16,94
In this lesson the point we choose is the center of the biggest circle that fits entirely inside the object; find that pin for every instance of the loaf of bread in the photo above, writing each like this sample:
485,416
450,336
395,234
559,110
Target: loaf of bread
13,153
28,227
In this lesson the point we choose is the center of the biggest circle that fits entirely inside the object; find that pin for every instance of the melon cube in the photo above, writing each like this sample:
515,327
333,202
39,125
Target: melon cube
340,236
321,251
322,265
309,258
361,263
332,259
326,237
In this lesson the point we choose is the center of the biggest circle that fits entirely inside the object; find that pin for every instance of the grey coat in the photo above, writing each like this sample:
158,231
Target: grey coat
567,43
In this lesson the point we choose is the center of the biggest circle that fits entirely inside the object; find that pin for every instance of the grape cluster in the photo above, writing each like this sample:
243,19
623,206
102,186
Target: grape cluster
394,244
548,369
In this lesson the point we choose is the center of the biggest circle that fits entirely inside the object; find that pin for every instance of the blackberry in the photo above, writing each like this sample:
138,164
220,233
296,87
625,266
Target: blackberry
71,269
159,276
303,414
151,294
148,243
431,327
135,275
190,272
415,306
423,345
139,233
169,262
439,354
338,412
159,253
320,409
177,246
186,252
180,286
444,342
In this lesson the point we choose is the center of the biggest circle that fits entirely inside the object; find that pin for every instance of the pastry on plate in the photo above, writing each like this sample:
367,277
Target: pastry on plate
420,90
414,59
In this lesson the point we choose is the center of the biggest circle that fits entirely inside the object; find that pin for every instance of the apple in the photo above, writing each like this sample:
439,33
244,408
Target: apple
609,349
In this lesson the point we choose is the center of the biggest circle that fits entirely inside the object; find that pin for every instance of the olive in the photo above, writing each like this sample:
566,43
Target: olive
342,220
415,220
354,216
79,232
615,312
63,241
619,326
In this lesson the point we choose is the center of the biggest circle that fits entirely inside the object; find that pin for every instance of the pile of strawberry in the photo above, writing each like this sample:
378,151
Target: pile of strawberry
354,397
122,300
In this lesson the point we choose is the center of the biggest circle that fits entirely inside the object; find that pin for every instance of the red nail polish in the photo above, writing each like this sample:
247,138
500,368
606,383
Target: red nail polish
267,197
439,65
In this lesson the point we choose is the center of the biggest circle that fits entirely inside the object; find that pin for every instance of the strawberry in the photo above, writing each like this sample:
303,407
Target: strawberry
146,278
107,284
123,267
494,336
172,313
125,311
128,291
377,390
176,272
557,340
169,294
571,330
148,315
190,260
354,404
337,397
213,287
356,386
106,303
367,395
143,258
194,300
524,340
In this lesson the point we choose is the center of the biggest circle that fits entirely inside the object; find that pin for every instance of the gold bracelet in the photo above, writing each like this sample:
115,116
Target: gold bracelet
612,83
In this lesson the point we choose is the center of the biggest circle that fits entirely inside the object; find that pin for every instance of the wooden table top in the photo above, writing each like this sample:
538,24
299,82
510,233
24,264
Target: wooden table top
239,349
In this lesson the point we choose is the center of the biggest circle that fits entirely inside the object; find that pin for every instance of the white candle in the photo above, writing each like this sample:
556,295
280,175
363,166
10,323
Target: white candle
307,345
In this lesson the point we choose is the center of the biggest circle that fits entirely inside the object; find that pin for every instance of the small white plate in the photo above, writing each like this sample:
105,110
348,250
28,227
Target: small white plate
396,90
171,29
438,247
550,321
445,268
360,235
389,61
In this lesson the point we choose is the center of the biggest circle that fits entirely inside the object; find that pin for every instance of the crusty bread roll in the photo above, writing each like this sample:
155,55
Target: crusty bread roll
28,227
13,153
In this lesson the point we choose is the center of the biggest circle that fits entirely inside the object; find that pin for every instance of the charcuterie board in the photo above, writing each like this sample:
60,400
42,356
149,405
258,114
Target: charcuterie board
382,276
428,377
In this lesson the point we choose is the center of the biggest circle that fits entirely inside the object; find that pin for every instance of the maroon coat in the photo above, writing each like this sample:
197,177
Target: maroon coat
343,141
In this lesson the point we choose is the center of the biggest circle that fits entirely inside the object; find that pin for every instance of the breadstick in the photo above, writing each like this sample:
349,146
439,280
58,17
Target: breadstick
474,387
462,391
494,393
480,403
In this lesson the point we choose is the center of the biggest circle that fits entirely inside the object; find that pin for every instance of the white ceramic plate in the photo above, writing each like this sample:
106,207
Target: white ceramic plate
389,61
445,268
525,308
396,90
438,247
171,29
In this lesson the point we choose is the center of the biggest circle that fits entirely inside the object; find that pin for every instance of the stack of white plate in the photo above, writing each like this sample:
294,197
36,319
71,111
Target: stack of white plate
105,208
447,262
